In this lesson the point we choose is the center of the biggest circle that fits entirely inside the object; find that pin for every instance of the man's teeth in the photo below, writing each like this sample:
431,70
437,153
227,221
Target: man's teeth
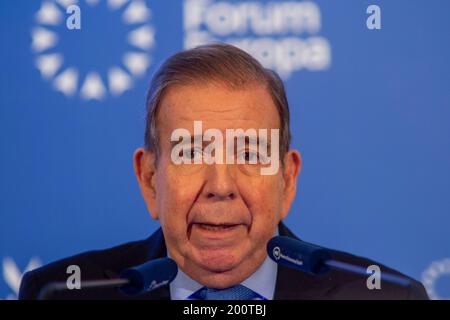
214,226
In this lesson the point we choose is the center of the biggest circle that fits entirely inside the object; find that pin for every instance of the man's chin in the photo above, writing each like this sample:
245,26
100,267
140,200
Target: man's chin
221,276
217,261
220,270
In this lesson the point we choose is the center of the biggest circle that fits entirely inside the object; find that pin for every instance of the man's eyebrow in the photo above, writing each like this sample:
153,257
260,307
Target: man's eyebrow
259,140
185,140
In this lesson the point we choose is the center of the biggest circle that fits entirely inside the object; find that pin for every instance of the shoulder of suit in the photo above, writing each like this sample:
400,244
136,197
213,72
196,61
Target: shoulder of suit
92,264
351,283
345,256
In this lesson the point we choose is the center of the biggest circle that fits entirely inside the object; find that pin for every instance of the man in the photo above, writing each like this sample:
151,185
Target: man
218,206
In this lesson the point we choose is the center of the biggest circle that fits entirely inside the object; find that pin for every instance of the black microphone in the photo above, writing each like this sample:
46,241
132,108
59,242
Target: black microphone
132,281
316,260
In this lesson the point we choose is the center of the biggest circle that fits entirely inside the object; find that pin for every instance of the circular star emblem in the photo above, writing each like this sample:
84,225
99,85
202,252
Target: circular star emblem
49,44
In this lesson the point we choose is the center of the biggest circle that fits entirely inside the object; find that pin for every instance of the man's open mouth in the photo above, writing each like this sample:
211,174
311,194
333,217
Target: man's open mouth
215,227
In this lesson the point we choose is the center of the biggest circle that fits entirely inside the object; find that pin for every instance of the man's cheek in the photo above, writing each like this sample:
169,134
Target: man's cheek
265,220
174,233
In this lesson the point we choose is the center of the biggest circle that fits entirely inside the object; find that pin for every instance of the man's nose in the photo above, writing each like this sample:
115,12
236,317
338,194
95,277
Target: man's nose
220,183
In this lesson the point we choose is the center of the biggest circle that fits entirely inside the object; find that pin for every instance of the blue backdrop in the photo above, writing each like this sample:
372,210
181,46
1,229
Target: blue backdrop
370,115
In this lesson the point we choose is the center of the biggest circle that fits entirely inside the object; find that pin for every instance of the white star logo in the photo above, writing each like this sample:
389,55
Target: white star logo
12,275
90,86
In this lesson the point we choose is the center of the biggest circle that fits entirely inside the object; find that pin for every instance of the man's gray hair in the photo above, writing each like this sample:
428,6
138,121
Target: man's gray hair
218,62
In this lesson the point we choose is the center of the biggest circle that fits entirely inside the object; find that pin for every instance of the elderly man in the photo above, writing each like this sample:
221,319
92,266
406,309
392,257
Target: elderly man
218,174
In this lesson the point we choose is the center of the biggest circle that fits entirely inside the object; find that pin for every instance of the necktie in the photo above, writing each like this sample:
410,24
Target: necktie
238,292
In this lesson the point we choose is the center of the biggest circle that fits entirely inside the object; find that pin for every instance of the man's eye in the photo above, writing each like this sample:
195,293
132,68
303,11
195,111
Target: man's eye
249,156
192,153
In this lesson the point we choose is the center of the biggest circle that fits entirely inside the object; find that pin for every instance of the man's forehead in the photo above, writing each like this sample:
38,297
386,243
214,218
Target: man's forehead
249,107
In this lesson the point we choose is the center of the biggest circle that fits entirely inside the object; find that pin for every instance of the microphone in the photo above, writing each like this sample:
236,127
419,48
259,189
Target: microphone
132,281
316,260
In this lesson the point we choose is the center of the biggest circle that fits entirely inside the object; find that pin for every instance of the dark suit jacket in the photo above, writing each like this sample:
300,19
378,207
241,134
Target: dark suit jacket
291,284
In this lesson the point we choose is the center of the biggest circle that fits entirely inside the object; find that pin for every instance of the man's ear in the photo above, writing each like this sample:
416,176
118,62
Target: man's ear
291,169
145,170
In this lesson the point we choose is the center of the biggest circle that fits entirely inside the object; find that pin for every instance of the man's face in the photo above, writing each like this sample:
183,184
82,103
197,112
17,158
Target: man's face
216,218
